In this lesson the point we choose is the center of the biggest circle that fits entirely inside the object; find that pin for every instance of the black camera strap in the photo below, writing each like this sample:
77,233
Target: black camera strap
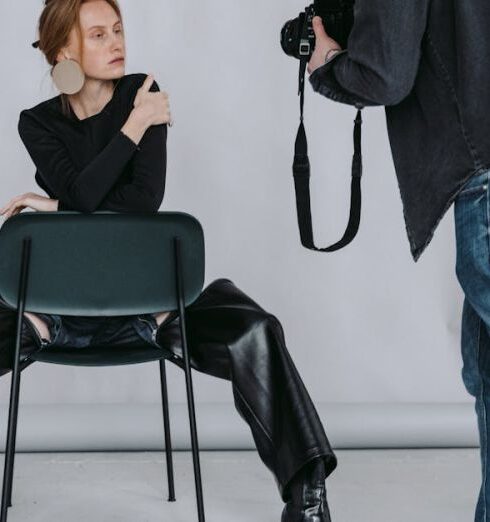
301,174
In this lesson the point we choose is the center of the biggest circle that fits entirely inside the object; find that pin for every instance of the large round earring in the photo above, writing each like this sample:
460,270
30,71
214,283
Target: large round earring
68,76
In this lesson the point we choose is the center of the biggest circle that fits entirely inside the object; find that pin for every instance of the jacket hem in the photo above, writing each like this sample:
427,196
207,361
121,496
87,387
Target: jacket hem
418,251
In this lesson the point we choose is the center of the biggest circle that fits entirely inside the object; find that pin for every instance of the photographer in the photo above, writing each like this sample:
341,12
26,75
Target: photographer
428,62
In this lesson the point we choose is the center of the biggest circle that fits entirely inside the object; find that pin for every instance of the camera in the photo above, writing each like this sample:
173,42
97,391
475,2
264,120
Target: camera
298,37
298,40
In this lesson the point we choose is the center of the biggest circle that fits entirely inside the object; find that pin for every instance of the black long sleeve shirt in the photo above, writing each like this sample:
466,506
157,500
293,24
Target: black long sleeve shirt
90,164
428,63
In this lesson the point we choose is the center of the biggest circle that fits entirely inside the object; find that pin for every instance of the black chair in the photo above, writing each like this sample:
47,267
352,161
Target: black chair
103,263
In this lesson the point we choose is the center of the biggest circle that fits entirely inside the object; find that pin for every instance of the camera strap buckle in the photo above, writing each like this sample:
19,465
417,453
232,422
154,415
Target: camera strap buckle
304,47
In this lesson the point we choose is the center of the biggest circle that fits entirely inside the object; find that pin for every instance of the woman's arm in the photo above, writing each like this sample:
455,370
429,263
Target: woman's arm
381,61
80,190
145,190
147,187
28,200
143,193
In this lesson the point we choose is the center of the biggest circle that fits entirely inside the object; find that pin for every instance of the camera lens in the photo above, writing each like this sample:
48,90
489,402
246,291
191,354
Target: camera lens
289,37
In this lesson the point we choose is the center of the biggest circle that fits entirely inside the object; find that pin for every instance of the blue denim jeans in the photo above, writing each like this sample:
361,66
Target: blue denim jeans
472,221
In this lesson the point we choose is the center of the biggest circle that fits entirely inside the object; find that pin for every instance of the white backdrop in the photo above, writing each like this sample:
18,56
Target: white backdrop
374,335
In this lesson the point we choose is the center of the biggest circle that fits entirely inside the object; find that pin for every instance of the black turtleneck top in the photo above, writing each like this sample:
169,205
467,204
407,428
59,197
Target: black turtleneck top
90,164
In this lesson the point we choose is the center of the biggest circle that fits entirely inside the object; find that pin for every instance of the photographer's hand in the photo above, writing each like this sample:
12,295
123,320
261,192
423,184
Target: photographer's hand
323,45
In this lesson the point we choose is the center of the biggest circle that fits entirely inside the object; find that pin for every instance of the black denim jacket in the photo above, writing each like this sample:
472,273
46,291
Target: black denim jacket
428,63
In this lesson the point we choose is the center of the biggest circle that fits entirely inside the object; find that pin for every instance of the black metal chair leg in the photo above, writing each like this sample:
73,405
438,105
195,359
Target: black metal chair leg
188,381
194,441
9,450
16,412
14,388
14,438
15,407
166,427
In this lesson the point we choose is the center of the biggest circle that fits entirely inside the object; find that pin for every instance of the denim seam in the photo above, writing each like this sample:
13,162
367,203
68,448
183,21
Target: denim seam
446,77
484,431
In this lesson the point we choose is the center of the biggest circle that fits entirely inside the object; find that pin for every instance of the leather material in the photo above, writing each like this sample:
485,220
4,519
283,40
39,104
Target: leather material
231,337
30,339
308,501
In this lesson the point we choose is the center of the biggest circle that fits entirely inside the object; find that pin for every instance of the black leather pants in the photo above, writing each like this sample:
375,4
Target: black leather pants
231,337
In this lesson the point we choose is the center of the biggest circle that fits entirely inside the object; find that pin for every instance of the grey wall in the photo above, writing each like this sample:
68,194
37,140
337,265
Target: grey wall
374,335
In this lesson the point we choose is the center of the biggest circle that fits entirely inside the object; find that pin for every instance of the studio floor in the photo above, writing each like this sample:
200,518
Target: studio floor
392,485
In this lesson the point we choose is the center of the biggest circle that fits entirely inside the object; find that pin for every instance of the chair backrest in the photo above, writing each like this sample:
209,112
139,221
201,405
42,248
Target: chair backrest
103,263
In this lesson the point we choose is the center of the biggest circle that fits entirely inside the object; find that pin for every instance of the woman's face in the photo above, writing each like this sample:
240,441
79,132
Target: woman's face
103,39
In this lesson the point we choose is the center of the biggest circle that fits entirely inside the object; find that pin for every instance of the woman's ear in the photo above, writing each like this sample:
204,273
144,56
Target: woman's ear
62,55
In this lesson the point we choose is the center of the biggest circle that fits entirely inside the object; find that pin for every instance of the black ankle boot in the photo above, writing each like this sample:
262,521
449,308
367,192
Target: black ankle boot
308,498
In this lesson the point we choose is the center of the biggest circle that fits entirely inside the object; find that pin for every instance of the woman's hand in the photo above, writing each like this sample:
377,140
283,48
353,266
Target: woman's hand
29,199
323,44
153,106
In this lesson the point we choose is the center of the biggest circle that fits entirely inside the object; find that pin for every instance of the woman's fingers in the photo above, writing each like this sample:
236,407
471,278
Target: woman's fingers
147,83
19,202
4,208
9,205
29,199
155,103
145,87
11,210
16,211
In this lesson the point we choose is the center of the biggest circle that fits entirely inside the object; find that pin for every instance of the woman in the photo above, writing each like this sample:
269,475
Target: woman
101,145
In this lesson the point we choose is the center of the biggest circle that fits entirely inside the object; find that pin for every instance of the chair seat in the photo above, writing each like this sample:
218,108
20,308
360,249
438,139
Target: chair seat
101,355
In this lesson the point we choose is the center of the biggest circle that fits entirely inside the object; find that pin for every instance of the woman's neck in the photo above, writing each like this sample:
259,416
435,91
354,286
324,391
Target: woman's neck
91,99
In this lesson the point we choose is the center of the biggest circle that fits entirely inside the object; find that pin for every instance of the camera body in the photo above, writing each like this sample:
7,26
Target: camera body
298,37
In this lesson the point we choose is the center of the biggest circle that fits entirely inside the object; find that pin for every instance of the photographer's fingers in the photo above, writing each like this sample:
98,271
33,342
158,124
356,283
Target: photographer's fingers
318,27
